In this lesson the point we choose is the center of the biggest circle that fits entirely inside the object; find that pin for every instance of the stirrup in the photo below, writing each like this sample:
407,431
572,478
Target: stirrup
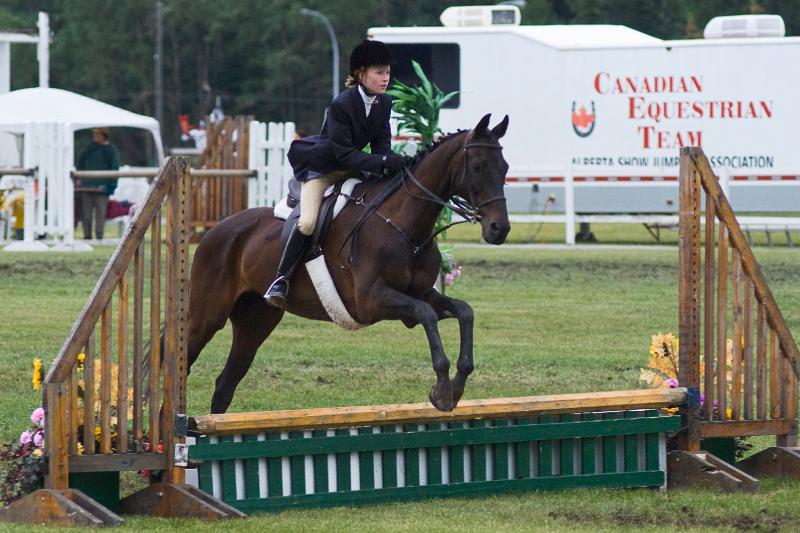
277,292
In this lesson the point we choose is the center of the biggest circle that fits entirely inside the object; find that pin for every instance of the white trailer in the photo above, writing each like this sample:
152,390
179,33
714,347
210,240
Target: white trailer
604,109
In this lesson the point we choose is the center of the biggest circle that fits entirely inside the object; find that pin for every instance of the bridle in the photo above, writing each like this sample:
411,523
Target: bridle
467,209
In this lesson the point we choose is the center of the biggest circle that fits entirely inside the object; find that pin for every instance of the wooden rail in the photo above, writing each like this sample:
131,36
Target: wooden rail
749,369
152,172
415,413
17,171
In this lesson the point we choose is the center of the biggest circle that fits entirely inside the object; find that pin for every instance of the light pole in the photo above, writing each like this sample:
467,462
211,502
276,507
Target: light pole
334,44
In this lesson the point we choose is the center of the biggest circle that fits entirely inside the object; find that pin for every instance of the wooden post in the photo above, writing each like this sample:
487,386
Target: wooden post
736,383
178,313
105,379
154,398
708,309
138,311
122,365
689,292
55,396
722,324
88,397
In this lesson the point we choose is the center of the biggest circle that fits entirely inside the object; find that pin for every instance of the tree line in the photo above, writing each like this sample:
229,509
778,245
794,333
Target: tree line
263,58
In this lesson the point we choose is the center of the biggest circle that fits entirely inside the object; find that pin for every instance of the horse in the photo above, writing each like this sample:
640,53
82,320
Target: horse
390,278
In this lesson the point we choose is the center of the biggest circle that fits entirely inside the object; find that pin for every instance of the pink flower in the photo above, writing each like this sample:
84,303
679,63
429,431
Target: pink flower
672,383
25,437
38,438
37,417
448,279
457,273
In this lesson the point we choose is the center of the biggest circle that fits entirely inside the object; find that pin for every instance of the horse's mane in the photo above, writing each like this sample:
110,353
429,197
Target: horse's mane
419,156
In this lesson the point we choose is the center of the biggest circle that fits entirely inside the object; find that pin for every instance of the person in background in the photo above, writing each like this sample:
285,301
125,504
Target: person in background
92,195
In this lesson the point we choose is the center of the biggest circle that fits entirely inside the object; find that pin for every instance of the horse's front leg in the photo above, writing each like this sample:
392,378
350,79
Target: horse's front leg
386,303
446,307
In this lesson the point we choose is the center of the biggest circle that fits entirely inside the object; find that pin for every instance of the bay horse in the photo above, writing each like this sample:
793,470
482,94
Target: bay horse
391,277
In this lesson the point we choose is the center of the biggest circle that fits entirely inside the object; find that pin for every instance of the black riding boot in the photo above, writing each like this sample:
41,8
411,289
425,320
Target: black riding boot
294,250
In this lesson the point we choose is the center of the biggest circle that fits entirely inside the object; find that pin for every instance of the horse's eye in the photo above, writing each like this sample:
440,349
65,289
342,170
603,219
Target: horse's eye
477,167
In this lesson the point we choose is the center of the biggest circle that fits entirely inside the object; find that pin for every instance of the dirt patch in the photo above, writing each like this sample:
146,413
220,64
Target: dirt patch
686,518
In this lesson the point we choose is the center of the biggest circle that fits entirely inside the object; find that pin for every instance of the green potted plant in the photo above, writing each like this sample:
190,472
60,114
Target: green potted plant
417,108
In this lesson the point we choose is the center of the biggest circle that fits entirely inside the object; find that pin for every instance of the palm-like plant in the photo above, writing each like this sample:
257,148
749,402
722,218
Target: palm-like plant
418,109
418,106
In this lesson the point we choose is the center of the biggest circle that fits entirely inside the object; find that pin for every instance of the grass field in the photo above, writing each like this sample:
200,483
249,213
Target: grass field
547,321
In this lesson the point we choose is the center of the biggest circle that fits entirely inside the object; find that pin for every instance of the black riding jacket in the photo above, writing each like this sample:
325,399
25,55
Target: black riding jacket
346,131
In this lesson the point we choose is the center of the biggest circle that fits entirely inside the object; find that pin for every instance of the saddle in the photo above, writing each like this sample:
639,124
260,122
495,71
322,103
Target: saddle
335,198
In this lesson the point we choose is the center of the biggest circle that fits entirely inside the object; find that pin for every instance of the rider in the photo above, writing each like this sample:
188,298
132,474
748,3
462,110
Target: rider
357,117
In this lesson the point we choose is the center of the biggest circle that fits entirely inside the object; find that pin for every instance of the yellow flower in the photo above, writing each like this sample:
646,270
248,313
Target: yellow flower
81,358
80,449
97,432
38,374
38,452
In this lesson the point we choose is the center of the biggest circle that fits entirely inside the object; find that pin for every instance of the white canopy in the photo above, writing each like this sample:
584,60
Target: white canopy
45,121
38,104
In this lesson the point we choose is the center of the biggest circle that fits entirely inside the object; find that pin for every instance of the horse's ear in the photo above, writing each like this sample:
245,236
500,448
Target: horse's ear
500,130
480,129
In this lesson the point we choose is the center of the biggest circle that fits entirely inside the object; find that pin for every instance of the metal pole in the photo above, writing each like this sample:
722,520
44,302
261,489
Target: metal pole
334,45
159,96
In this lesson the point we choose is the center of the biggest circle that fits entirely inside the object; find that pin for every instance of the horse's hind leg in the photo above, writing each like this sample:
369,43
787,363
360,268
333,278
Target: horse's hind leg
253,320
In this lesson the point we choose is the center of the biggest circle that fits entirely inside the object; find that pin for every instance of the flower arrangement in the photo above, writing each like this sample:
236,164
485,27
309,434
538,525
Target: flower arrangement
662,367
662,372
22,461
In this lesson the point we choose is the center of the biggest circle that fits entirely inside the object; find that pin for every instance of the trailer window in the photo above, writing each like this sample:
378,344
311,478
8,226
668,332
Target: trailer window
441,62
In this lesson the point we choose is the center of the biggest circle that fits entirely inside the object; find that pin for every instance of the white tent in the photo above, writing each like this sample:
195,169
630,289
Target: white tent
46,121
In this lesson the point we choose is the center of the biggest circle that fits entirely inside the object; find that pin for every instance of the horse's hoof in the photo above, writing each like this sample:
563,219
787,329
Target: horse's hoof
439,403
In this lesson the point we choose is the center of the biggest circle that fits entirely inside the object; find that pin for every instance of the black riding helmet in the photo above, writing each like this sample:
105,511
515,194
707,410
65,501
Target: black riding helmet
369,53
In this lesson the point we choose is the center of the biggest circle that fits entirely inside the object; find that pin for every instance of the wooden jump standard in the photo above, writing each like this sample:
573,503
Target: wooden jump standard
111,423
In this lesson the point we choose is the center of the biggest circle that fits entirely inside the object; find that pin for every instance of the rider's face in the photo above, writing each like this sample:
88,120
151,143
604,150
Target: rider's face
376,79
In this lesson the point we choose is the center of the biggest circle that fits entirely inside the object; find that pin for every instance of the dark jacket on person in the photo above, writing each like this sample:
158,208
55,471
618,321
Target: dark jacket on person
96,156
346,131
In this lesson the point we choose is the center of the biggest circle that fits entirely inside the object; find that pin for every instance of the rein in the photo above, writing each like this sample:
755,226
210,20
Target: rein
467,209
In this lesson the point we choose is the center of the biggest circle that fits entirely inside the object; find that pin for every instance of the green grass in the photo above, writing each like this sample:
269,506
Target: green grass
547,321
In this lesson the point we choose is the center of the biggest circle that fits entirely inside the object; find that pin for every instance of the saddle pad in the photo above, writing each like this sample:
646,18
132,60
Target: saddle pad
328,295
283,211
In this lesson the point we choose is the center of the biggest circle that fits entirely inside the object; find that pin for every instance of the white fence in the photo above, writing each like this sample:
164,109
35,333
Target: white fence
269,146
571,179
49,195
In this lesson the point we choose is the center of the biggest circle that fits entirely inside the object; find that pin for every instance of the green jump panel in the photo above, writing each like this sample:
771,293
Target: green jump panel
369,464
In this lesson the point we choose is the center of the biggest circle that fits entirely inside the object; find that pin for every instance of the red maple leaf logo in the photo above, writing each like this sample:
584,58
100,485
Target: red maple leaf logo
582,119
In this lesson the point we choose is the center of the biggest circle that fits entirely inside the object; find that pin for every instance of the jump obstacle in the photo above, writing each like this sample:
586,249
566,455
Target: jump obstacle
343,456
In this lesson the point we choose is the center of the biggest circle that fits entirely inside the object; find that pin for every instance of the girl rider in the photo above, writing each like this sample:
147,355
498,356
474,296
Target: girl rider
357,117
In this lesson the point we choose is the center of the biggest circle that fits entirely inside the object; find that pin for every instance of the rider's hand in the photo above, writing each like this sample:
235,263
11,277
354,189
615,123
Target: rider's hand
392,162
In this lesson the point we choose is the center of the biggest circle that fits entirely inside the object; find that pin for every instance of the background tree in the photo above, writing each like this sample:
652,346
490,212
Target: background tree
263,58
